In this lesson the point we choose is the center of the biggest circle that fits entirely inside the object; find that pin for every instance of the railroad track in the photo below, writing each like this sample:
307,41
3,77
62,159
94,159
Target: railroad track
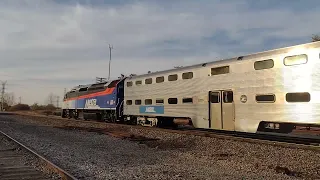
268,136
286,140
18,162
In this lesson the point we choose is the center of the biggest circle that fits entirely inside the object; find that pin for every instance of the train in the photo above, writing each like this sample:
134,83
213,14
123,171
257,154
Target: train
269,91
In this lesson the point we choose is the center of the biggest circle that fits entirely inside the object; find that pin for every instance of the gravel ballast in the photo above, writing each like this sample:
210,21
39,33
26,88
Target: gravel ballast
92,155
18,163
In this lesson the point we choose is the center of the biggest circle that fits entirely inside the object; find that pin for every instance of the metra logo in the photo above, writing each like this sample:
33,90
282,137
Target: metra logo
150,109
91,103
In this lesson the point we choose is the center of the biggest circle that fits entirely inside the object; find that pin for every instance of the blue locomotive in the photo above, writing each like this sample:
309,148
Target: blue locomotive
104,99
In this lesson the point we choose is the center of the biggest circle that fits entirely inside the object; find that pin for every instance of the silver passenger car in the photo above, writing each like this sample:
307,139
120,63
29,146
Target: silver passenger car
275,90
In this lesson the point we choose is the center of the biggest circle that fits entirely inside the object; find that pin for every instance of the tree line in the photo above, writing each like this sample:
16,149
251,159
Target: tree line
315,38
9,103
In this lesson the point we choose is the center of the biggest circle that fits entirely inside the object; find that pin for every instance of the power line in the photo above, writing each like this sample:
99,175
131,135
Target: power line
110,48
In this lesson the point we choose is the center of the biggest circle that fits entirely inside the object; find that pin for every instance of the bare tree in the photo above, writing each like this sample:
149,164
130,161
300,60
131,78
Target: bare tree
9,99
51,98
315,38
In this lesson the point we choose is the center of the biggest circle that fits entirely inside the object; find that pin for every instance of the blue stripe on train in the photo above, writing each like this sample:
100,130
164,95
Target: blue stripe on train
106,101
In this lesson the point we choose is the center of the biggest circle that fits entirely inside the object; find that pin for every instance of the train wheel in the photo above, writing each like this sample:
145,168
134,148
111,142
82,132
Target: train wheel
70,113
63,114
113,117
75,115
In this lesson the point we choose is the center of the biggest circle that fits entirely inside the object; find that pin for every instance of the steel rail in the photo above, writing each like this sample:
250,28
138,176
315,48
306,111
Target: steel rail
64,175
269,136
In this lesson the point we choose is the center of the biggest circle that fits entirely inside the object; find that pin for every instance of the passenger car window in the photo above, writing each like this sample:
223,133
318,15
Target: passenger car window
295,60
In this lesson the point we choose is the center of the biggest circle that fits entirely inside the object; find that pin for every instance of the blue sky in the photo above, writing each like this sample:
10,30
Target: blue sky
49,45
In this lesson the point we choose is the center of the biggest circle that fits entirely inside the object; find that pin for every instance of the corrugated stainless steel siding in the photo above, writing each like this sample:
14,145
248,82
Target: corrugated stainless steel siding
242,79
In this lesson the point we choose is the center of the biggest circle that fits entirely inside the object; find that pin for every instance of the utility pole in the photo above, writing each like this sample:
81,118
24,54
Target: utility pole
110,48
2,93
20,100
